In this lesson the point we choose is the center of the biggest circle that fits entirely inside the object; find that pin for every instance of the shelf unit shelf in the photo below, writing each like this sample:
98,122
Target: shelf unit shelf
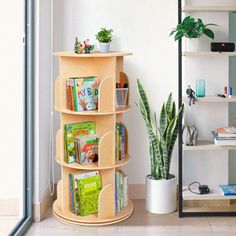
209,54
215,203
211,99
207,145
108,68
215,194
209,8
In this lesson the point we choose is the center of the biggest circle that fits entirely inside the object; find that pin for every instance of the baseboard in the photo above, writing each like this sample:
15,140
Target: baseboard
137,191
40,210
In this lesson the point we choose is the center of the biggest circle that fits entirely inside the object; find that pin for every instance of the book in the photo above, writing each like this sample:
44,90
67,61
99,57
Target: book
87,149
121,134
228,189
72,131
215,135
223,141
89,189
125,191
73,178
226,132
87,93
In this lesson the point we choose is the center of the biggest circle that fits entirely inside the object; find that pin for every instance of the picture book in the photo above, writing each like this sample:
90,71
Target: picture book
72,131
226,132
89,189
228,189
74,188
87,149
87,93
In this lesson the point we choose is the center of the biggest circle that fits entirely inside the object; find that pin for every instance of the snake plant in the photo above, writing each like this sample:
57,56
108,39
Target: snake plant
162,135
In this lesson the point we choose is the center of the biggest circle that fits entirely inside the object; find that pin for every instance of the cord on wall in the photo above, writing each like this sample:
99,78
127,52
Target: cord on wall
51,157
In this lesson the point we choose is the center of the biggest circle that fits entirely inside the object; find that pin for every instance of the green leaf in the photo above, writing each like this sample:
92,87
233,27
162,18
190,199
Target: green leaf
169,105
209,33
163,119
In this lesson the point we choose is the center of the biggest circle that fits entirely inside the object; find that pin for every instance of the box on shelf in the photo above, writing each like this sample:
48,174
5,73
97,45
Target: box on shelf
121,97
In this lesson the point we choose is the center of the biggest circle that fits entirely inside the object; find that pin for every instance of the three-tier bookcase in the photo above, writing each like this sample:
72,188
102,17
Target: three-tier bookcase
108,68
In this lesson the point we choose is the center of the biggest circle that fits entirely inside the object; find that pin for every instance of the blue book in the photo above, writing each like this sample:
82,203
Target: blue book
72,193
228,189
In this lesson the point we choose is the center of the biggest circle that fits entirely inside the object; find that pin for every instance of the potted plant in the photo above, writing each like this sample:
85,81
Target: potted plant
160,184
104,36
194,29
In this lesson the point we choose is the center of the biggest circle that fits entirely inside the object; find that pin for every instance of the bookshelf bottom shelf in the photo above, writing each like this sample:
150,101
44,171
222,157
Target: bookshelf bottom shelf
92,220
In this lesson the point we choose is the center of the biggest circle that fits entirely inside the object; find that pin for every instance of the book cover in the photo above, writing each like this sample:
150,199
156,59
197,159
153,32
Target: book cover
89,189
87,149
226,132
75,202
228,189
87,93
117,142
72,131
68,95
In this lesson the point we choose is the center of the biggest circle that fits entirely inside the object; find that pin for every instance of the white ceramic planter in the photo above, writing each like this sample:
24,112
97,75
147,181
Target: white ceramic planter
104,47
161,195
198,44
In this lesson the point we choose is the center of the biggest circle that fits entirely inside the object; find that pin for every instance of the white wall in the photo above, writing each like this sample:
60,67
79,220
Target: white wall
42,97
141,27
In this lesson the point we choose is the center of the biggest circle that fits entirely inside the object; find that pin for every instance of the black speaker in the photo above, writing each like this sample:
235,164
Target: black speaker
222,47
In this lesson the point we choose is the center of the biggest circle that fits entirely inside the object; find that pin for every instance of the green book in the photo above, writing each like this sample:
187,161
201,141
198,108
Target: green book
72,131
89,189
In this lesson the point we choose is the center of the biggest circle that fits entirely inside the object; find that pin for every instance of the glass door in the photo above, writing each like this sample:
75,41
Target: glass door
15,155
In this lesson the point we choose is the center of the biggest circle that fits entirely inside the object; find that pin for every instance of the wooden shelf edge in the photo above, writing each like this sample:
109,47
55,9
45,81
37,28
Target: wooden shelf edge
208,53
69,218
92,55
209,8
211,99
94,113
95,166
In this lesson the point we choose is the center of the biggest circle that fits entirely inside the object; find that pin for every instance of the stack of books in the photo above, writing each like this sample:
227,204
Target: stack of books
121,137
225,136
228,189
84,191
121,190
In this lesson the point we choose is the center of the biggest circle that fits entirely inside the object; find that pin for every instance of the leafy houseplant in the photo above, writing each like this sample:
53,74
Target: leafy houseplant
191,28
162,136
104,36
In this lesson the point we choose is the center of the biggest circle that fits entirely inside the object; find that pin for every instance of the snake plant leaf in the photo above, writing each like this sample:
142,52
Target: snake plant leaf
173,113
163,119
169,104
144,99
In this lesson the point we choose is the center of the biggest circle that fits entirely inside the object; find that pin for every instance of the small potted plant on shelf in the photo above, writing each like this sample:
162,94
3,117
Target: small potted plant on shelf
194,29
104,36
160,184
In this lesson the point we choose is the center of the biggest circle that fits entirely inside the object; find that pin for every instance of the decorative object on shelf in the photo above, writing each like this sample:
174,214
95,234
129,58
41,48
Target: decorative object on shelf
202,188
194,29
190,135
200,88
228,189
104,36
160,184
88,48
191,95
225,91
78,47
221,95
230,91
222,47
121,94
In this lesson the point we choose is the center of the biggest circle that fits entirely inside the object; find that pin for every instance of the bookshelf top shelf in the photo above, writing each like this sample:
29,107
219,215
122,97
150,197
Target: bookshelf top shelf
209,8
89,55
212,99
208,53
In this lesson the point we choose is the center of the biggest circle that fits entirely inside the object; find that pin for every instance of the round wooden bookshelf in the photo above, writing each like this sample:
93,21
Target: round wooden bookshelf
108,68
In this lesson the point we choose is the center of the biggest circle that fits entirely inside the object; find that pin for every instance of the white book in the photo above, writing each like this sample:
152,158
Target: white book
125,191
225,142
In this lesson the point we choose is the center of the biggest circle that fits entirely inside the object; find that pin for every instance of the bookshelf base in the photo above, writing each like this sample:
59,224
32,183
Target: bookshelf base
91,220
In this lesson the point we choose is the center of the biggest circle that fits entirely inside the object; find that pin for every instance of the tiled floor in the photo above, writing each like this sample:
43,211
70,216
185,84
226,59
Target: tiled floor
141,223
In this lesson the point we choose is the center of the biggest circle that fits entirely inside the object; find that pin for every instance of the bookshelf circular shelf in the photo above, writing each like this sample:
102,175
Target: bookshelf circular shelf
95,112
94,54
91,220
95,166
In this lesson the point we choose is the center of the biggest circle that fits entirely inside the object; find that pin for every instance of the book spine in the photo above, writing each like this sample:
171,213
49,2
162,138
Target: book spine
68,94
123,141
71,94
117,142
72,193
116,193
121,189
125,191
65,146
75,95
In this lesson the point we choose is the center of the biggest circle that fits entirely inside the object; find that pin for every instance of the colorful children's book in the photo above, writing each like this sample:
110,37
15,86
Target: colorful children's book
87,149
228,189
87,93
76,130
74,188
89,189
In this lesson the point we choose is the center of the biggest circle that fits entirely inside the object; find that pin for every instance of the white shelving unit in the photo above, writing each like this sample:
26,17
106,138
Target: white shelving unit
220,8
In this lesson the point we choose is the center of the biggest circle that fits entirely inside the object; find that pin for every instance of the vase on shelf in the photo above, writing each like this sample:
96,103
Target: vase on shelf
198,44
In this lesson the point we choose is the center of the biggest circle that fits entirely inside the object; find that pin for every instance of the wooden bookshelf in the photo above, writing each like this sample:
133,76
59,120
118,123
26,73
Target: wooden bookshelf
108,68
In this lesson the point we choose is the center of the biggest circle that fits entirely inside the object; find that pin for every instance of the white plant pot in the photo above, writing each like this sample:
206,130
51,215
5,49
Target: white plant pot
104,47
161,195
198,44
